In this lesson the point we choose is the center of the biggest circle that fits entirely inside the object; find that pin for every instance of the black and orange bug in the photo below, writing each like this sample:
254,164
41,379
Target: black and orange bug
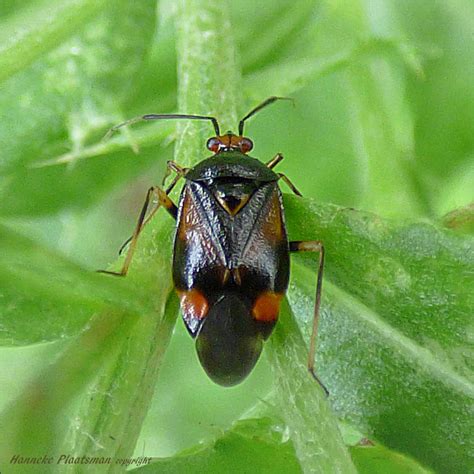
231,258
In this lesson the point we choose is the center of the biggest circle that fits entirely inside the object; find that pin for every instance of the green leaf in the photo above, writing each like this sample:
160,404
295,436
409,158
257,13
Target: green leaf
444,102
45,297
396,329
378,459
260,45
259,441
103,357
34,421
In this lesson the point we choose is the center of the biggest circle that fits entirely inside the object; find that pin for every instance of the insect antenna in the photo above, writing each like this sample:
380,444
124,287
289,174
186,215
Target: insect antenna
162,117
259,107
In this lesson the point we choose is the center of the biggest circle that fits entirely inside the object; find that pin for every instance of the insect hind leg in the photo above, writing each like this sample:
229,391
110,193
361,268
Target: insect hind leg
313,246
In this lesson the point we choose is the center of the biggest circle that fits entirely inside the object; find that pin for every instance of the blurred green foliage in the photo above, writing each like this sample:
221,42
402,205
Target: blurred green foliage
383,124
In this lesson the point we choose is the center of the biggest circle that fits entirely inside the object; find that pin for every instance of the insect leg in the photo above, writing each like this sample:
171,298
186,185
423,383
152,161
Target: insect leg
179,170
167,203
274,161
179,175
313,246
134,237
289,184
163,200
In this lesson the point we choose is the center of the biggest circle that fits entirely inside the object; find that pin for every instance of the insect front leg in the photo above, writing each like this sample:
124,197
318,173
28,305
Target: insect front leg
163,200
274,161
313,246
290,184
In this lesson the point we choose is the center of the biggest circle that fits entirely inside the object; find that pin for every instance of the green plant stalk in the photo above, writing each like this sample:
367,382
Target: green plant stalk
40,27
209,79
318,443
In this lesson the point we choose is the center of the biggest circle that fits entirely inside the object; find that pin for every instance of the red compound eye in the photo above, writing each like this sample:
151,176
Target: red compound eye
213,144
246,145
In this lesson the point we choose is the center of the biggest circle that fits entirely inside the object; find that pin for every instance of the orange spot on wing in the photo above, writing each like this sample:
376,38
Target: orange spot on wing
193,303
267,306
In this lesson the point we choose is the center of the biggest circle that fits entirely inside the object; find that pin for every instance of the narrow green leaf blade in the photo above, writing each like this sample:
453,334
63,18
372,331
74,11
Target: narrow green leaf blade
45,297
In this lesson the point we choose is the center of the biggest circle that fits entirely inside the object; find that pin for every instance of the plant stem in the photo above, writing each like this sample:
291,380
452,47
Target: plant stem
209,79
314,431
